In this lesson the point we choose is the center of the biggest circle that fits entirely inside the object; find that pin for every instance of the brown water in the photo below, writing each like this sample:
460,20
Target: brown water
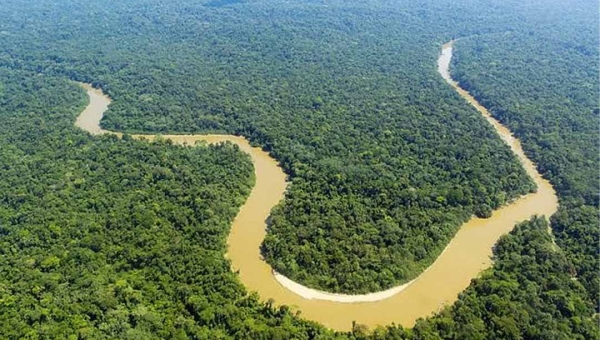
464,258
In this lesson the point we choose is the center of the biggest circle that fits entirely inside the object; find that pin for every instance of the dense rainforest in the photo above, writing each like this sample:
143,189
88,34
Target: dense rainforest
385,160
544,86
103,238
107,238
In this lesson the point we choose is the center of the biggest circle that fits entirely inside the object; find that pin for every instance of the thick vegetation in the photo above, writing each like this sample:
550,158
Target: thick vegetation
101,238
109,239
385,161
529,294
544,86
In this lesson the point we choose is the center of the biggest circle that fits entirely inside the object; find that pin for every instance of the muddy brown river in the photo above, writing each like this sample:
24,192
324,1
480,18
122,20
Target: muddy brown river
464,258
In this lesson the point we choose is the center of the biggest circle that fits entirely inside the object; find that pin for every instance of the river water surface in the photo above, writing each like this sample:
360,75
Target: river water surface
463,259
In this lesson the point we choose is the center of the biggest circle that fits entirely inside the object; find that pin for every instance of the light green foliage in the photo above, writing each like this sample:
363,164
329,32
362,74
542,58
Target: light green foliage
102,238
544,86
385,160
106,238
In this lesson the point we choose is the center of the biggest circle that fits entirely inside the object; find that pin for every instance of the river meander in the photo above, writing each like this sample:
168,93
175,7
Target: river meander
464,258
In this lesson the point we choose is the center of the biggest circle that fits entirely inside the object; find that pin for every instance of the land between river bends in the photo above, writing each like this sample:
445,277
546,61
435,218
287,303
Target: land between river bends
465,256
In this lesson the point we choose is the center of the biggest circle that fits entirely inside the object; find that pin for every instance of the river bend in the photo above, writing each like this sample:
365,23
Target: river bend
467,254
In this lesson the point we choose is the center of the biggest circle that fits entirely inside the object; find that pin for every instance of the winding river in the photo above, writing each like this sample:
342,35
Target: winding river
464,258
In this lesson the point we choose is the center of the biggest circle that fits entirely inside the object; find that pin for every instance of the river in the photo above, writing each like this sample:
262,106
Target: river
464,258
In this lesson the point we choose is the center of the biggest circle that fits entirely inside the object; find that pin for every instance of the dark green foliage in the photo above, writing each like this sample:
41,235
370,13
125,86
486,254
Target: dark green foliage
385,160
483,211
544,86
529,294
101,238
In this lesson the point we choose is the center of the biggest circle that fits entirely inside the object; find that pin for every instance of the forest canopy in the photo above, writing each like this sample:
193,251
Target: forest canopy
385,160
107,238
